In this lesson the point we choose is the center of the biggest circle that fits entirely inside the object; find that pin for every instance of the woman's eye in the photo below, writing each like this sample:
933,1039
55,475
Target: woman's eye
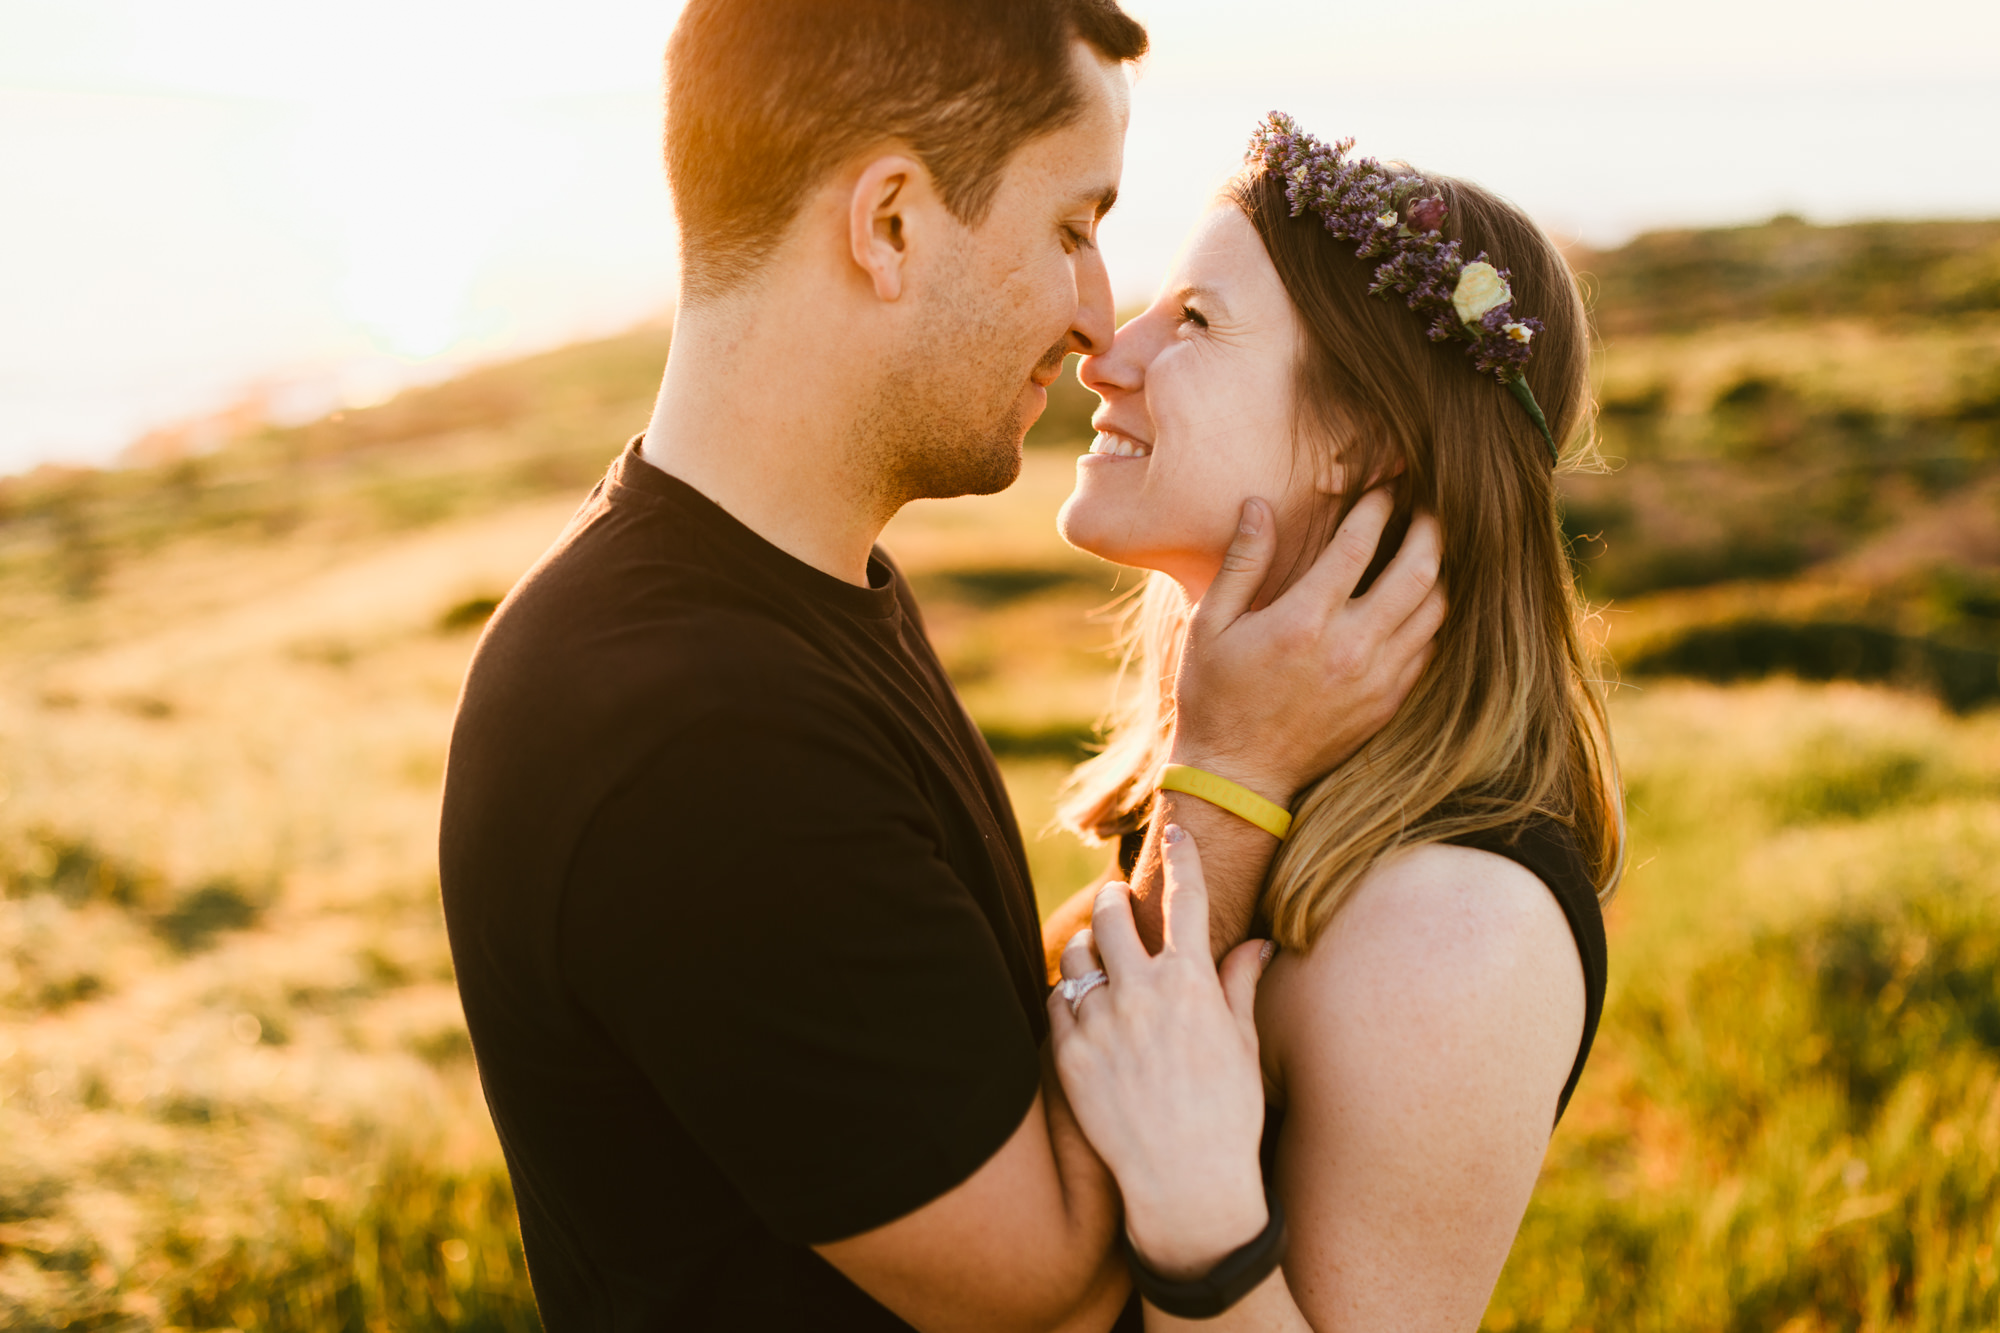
1189,315
1074,240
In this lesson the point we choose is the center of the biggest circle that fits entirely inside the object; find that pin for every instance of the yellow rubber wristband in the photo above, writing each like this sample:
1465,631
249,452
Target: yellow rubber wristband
1273,818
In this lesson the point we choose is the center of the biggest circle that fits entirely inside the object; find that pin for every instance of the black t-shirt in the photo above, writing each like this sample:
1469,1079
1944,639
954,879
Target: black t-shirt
741,918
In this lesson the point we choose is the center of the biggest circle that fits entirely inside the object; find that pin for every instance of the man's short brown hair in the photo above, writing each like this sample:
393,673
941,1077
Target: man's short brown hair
766,97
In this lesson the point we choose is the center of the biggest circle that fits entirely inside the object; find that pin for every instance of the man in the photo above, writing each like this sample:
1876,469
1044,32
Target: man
740,912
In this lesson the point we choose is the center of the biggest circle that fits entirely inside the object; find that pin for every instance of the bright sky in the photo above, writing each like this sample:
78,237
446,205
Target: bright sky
314,204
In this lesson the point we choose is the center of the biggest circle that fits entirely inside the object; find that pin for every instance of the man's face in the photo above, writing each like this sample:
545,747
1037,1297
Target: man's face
1017,292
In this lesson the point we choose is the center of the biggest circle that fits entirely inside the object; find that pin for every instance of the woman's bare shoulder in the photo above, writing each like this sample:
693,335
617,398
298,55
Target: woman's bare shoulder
1419,1048
1457,954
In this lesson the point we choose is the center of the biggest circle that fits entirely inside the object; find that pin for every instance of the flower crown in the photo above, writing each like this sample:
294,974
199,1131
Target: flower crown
1400,216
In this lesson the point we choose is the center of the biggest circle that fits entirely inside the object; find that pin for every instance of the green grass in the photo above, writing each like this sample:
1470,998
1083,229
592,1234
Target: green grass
417,1250
1814,1138
1059,862
1793,1116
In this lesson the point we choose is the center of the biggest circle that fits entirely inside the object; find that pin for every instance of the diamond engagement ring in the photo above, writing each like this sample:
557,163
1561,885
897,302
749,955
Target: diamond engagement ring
1074,989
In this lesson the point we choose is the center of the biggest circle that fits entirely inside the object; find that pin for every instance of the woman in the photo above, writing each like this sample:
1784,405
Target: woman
1434,901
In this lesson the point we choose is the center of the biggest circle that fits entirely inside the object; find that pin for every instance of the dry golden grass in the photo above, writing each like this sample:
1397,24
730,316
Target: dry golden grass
270,718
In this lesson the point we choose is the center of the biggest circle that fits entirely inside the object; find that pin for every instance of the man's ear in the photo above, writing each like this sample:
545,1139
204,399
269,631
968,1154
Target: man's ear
880,210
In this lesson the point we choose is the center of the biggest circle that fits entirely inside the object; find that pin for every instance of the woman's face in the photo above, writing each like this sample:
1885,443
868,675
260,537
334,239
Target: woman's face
1198,416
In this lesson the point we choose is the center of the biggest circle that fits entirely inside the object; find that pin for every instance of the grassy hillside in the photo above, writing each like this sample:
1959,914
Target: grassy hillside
235,1090
1787,269
1805,425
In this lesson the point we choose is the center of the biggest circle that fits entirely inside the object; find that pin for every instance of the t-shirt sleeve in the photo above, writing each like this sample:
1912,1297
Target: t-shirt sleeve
763,920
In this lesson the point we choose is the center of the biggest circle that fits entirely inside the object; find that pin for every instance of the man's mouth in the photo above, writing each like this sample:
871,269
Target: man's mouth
1113,445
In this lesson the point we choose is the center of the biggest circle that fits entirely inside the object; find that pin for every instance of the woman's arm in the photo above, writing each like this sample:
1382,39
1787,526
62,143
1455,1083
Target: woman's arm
1420,1047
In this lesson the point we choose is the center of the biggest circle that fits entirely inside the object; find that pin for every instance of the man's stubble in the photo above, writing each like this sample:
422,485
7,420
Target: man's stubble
950,417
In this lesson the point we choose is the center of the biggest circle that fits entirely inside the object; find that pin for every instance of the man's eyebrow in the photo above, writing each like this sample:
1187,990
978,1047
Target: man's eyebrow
1103,199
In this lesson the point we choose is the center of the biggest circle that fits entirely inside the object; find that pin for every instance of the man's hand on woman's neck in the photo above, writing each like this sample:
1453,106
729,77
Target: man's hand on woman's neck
1275,698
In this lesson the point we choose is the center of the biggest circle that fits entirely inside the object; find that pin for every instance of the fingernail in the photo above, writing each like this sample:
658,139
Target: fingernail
1172,834
1253,518
1269,951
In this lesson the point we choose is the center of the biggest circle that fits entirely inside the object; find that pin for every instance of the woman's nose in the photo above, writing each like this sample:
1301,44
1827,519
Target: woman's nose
1119,368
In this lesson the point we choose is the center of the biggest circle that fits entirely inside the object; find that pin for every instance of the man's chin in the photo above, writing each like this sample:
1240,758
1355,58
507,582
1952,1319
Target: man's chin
1004,459
1010,444
994,464
974,465
939,456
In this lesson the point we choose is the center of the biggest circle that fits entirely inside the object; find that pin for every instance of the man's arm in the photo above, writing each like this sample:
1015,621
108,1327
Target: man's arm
1026,1243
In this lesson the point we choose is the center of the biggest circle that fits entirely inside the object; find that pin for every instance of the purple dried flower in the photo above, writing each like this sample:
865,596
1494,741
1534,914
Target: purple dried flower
1426,214
1360,200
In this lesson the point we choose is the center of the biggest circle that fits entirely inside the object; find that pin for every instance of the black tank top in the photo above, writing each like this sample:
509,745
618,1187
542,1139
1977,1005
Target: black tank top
1549,851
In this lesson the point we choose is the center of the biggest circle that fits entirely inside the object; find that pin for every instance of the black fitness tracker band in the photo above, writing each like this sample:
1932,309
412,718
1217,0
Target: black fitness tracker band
1239,1273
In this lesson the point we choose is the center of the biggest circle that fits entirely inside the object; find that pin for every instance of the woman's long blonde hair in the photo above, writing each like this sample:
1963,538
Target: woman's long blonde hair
1508,721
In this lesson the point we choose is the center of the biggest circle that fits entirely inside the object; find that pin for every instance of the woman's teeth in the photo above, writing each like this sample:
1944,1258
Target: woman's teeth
1117,446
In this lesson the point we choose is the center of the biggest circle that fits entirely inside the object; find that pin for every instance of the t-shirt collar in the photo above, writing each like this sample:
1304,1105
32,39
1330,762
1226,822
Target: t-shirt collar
635,477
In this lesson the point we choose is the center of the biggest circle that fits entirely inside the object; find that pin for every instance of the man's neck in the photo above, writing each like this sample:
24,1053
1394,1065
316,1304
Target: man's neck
758,415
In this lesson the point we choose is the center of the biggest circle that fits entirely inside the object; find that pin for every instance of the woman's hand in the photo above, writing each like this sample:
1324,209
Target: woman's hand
1160,1066
1277,696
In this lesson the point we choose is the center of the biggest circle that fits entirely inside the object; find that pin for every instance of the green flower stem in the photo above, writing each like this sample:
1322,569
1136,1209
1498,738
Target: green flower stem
1518,386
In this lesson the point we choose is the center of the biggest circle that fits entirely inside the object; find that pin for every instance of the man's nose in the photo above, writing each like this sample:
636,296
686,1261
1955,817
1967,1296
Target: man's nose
1096,321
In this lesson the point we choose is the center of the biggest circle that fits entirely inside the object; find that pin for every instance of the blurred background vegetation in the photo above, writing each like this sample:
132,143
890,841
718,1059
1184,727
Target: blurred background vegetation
235,1090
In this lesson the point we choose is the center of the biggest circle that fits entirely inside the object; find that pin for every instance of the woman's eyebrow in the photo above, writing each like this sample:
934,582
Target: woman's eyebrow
1207,297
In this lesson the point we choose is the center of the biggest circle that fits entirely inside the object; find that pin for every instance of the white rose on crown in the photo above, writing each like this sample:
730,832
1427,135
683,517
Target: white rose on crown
1480,288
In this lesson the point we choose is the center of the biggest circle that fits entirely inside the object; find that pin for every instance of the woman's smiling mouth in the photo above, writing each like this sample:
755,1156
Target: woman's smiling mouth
1110,444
